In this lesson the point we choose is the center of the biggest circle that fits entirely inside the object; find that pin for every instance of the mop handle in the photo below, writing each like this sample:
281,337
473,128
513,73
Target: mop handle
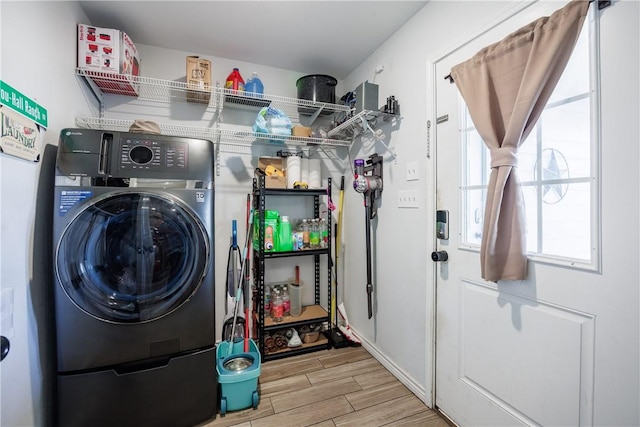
368,244
234,233
247,294
239,286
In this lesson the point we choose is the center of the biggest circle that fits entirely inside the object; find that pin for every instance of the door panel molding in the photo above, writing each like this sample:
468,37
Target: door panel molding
556,354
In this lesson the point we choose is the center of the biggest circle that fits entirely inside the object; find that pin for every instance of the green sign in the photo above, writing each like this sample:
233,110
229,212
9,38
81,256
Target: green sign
22,104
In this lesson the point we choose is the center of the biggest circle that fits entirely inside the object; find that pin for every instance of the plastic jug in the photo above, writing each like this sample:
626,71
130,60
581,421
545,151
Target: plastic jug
235,81
270,231
254,86
285,241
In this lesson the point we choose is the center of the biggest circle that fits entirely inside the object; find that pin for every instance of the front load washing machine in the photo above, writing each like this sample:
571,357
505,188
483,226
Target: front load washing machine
134,279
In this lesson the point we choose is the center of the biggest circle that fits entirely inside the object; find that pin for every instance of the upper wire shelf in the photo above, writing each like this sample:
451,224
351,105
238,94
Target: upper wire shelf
152,89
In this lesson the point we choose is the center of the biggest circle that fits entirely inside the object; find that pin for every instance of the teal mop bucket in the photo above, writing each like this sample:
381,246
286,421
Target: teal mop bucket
238,374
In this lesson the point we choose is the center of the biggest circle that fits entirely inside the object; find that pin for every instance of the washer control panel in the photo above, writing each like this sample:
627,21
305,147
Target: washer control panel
147,154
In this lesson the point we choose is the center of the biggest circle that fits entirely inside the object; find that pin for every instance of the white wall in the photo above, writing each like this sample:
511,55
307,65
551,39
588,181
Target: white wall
401,330
38,58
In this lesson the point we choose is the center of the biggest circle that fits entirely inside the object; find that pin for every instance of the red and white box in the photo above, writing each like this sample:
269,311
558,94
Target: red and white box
111,57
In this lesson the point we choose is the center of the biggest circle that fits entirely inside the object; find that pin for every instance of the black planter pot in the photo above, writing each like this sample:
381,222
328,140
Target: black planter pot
318,88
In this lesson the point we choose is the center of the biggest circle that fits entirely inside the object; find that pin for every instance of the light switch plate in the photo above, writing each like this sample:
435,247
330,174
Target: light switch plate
413,171
408,199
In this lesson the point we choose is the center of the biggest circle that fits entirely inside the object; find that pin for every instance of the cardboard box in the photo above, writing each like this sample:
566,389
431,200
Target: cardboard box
112,55
301,131
273,181
199,78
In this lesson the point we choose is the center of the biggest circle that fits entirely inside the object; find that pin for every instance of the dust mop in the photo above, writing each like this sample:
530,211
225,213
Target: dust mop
338,339
232,275
345,328
240,283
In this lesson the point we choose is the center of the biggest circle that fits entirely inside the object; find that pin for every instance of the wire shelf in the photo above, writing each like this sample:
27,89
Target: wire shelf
217,98
356,121
152,89
223,136
123,125
144,88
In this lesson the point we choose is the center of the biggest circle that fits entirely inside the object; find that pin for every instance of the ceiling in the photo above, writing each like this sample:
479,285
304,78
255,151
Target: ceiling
323,37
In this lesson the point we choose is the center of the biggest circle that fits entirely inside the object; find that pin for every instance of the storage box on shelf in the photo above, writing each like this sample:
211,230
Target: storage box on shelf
312,317
303,131
112,57
275,175
198,79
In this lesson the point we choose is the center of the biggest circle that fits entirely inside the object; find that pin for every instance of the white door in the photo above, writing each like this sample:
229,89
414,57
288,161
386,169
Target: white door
560,348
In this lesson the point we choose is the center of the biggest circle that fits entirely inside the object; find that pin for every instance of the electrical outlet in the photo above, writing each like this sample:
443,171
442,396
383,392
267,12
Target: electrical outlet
413,171
408,199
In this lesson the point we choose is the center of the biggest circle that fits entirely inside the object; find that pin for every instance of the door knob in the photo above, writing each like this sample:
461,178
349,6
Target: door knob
5,347
439,256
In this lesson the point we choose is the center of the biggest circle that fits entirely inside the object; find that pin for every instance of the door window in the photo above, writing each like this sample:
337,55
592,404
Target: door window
132,257
556,166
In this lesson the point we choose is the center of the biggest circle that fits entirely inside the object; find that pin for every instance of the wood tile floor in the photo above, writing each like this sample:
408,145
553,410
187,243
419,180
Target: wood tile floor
329,388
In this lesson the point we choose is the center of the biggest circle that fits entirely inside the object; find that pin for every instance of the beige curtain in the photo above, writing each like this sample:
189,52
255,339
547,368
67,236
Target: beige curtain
506,86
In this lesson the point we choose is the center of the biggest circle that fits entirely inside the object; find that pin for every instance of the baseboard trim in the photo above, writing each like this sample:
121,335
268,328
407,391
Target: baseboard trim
395,370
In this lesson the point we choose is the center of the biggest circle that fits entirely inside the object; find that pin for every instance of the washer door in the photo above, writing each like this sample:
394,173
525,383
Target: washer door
132,257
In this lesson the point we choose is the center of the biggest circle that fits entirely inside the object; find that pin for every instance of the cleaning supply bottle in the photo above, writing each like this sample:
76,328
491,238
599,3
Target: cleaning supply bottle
267,300
305,234
298,237
277,308
235,81
314,234
324,234
285,242
286,301
254,86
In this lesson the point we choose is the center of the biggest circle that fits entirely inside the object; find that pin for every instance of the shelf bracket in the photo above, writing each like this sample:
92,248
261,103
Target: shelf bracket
215,102
378,137
217,152
315,115
97,93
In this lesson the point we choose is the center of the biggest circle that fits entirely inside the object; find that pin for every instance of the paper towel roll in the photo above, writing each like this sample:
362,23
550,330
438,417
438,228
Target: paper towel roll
293,170
304,170
315,175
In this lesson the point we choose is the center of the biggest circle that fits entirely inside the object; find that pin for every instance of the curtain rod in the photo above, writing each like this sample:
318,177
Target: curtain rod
601,5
